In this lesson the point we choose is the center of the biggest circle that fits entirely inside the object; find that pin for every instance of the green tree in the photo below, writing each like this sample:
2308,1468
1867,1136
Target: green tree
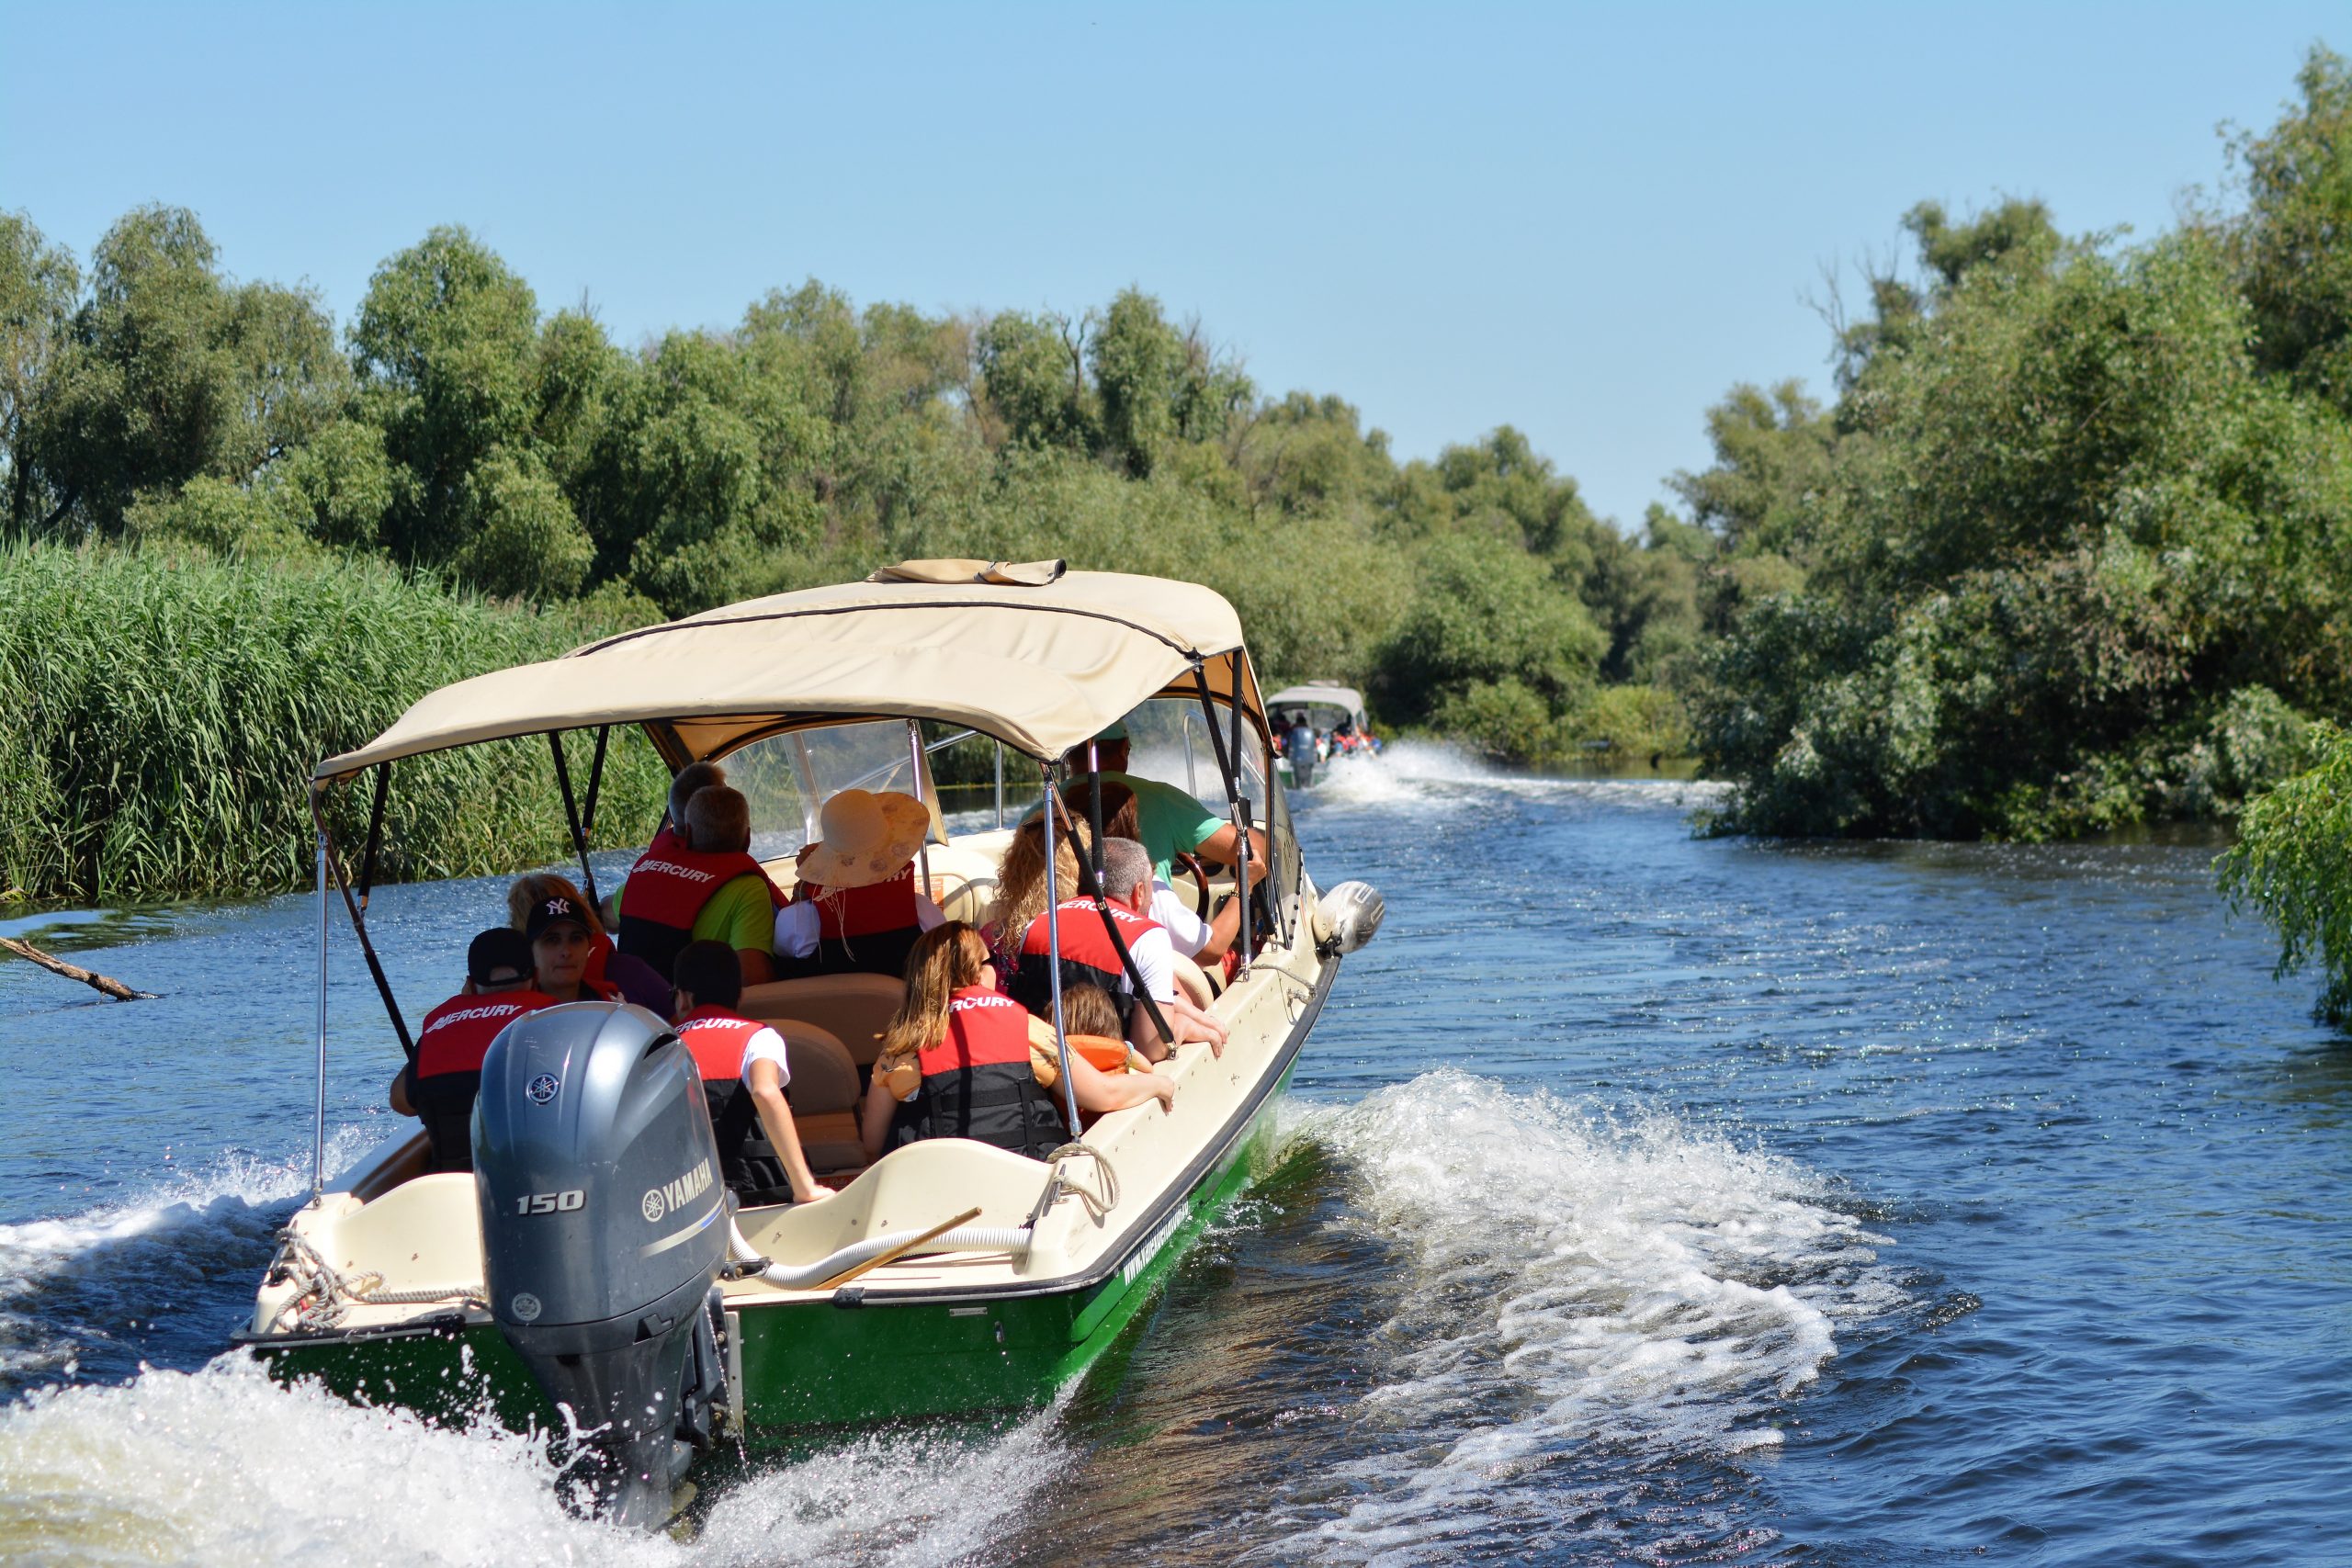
40,284
446,346
2295,257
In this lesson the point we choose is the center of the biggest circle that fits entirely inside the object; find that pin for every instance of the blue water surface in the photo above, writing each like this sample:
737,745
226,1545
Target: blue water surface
1646,1198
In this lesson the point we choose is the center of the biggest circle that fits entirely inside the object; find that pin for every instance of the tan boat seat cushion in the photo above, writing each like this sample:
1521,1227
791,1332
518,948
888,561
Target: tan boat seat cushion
853,1009
824,1077
1194,982
829,1142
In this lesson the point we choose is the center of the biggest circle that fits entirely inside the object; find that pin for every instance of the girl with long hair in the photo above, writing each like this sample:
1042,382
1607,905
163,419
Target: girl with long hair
960,1059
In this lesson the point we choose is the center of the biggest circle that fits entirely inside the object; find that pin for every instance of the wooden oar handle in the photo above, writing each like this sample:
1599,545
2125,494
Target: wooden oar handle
894,1253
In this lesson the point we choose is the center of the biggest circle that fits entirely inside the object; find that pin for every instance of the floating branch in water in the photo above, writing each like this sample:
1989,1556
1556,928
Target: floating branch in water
90,977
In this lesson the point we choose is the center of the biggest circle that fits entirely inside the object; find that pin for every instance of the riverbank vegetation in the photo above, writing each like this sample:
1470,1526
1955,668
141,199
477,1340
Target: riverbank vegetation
2068,547
165,706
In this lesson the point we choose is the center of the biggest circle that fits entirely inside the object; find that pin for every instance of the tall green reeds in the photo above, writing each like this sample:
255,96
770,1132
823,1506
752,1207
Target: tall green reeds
160,713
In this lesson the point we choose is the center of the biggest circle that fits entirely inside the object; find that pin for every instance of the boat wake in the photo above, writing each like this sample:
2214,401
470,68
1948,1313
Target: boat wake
83,1294
222,1465
1430,775
1591,1312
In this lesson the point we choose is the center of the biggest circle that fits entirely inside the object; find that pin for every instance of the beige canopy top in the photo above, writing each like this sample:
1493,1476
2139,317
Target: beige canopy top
1039,658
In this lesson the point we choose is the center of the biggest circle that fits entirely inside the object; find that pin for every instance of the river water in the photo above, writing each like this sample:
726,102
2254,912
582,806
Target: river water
1642,1199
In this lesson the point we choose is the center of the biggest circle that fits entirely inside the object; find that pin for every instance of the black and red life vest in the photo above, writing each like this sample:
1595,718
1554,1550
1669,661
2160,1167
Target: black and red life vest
668,887
716,1040
1088,957
977,1081
869,929
447,1074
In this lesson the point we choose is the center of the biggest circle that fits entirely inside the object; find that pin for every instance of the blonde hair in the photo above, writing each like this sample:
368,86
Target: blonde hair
537,885
1021,879
946,960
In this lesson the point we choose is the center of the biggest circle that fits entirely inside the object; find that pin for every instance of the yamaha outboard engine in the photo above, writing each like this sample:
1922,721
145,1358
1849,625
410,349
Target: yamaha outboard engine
604,1227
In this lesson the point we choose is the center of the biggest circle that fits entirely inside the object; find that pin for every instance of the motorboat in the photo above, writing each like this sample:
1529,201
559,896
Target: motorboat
589,1278
1333,717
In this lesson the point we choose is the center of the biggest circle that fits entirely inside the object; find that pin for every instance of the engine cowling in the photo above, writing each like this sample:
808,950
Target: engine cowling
1348,916
603,1225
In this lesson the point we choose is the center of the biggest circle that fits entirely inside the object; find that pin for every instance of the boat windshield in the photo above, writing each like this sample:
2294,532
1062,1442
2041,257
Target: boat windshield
788,778
1168,739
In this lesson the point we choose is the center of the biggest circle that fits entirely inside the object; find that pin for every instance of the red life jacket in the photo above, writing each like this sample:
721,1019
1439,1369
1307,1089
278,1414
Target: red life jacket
717,1038
869,929
447,1076
668,887
1088,957
977,1081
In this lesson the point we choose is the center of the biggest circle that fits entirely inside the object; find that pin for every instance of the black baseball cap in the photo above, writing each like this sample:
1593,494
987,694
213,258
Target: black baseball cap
499,957
554,910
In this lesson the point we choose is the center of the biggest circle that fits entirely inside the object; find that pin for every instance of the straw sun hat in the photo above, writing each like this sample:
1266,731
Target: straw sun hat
864,838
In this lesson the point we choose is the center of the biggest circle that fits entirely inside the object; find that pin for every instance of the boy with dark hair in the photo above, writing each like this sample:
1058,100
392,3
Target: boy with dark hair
744,1071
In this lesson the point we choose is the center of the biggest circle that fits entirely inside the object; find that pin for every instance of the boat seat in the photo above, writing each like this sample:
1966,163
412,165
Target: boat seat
853,1009
1195,982
824,1093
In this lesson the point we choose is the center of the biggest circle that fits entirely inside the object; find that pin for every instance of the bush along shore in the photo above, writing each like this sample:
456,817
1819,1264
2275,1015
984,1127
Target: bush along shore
2068,548
163,710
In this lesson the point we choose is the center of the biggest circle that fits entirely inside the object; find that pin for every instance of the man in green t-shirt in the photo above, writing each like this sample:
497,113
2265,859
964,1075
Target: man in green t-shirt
742,914
1169,821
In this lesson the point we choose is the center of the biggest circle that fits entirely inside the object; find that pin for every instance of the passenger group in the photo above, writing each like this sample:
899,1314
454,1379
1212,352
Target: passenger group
970,1051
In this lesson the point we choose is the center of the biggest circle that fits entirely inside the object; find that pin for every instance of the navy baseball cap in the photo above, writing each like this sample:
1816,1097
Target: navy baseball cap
554,910
499,957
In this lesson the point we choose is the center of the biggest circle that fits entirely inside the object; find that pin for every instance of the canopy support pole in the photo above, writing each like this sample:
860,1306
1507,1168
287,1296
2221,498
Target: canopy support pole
1090,885
1000,787
319,1119
595,781
359,916
914,762
571,816
1229,764
1053,950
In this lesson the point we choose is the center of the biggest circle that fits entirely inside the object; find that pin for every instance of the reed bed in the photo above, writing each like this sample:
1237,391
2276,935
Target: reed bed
161,711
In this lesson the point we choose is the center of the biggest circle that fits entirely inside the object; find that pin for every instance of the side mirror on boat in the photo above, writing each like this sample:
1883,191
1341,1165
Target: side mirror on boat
1348,917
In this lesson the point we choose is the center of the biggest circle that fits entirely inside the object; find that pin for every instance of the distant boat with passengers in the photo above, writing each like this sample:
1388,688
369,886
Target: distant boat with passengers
1317,725
599,1270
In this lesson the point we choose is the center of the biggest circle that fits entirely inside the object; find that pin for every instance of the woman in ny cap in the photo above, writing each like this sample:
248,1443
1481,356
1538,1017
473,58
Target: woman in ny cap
857,908
563,938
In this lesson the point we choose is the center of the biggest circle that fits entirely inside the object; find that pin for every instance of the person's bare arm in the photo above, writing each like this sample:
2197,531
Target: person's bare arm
1099,1091
1219,847
874,1121
775,1115
399,1094
759,968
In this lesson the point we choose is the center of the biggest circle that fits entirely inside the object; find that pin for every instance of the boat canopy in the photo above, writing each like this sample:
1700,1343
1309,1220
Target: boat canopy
1035,656
1319,693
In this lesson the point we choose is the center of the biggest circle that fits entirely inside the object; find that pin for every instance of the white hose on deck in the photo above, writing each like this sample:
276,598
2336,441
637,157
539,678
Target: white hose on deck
966,1238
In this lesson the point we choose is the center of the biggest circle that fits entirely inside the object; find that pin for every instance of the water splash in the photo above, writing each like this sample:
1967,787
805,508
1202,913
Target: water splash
1582,1294
104,1269
224,1466
1435,775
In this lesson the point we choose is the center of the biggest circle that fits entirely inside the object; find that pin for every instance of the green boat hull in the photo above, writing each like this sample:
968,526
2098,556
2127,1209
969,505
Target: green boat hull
840,1361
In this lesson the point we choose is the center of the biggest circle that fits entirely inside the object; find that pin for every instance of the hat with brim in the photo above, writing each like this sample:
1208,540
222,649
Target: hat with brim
863,838
556,910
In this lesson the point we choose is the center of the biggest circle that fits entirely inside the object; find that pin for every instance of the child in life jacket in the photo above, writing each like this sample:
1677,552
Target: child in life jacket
963,1060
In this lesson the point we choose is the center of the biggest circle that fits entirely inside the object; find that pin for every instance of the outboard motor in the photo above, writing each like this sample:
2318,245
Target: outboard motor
604,1227
1346,917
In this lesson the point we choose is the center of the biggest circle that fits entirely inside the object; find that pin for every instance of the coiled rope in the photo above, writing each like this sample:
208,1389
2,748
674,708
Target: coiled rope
324,1295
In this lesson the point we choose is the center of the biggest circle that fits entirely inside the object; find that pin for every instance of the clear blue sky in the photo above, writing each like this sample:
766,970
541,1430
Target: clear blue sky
1585,222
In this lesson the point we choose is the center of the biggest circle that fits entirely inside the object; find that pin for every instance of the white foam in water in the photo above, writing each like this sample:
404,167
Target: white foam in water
894,1502
1573,1282
224,1466
1435,775
233,1201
